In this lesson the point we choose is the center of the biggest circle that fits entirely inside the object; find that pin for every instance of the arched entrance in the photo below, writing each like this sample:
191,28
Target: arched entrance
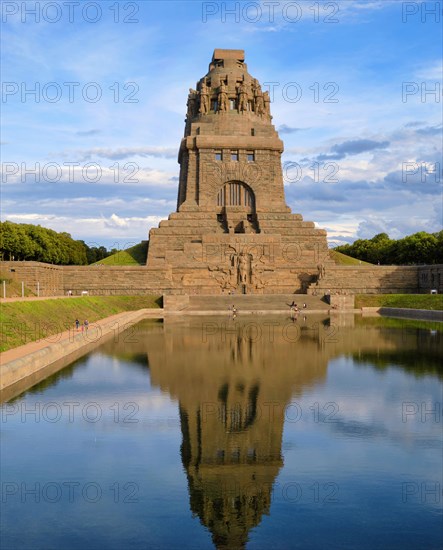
236,201
236,193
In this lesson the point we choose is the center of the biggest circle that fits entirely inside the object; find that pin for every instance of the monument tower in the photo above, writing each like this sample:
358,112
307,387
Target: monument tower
232,230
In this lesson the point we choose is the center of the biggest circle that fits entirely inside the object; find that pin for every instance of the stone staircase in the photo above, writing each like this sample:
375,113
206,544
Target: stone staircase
253,303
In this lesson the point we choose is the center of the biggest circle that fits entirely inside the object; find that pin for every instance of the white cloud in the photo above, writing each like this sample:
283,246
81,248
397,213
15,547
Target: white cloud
123,153
75,172
91,228
431,71
116,221
368,63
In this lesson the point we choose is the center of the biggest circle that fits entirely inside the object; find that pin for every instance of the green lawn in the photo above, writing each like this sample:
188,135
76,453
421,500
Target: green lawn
342,259
392,322
13,287
23,322
412,301
136,255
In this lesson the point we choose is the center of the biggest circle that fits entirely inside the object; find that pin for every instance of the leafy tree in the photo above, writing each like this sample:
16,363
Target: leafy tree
419,248
33,242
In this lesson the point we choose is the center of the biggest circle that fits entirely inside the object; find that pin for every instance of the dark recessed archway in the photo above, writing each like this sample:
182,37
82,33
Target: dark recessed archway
236,193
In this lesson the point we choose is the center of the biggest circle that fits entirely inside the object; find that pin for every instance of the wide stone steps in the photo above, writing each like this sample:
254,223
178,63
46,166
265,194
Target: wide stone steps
178,229
292,231
282,216
274,302
285,223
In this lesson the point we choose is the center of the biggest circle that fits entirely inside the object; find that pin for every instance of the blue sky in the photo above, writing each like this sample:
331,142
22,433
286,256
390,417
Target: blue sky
353,101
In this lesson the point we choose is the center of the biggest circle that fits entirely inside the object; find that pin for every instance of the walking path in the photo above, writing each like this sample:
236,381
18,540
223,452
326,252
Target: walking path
19,363
68,335
34,298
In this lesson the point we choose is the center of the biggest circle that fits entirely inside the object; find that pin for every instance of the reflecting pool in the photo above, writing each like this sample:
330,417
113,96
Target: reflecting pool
211,432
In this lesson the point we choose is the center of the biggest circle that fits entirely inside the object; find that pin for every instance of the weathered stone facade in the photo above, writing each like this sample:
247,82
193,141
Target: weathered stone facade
106,280
233,230
39,278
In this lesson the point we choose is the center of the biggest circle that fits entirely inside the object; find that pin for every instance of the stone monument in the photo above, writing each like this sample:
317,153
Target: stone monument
232,231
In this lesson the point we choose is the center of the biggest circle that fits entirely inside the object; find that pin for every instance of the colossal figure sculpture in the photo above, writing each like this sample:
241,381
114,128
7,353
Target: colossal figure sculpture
204,99
242,97
192,98
231,199
223,103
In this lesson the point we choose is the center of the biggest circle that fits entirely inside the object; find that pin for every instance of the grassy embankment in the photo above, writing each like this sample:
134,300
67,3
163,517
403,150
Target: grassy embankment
412,301
342,259
136,255
23,322
393,322
13,287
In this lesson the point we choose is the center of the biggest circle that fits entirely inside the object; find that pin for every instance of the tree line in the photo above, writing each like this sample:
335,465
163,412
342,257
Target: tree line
419,248
23,241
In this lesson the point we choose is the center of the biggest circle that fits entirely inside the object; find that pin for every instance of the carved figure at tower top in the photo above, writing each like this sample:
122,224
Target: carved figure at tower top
192,103
223,98
258,98
242,97
267,104
204,99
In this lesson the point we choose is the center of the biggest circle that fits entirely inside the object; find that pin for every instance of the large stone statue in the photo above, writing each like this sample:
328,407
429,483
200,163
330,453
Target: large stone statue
242,98
204,99
192,103
223,98
267,103
258,99
321,269
242,268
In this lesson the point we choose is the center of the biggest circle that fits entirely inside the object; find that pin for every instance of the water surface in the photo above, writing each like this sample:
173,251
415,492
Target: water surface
213,432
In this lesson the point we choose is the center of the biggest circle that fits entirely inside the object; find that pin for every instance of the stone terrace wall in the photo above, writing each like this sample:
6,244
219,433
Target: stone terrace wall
368,280
103,280
140,280
49,278
430,277
96,280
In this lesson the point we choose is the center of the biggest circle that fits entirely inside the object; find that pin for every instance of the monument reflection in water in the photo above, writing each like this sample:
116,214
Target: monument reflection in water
237,382
292,435
233,381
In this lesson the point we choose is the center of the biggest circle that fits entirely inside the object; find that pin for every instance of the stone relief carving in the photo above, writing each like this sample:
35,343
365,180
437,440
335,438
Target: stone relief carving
244,268
259,272
223,276
321,271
